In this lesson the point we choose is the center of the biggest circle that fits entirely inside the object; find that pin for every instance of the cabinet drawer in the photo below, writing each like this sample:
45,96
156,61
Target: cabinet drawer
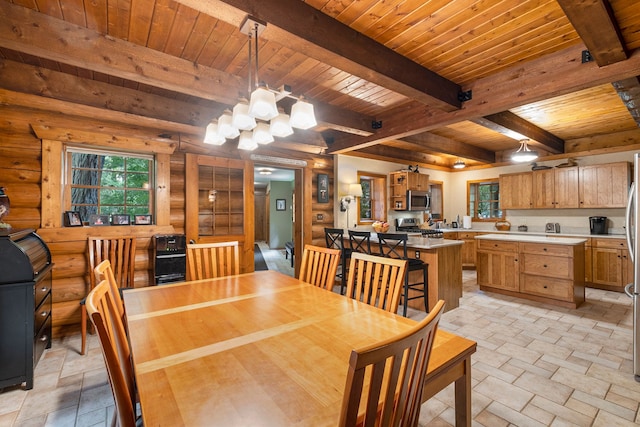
466,235
40,291
545,265
497,245
42,341
547,287
609,243
41,314
547,249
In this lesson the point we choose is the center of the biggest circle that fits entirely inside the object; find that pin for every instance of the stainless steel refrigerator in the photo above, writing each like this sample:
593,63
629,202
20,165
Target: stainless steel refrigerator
633,241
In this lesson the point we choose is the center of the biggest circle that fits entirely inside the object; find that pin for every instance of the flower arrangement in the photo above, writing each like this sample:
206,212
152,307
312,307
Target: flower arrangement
380,226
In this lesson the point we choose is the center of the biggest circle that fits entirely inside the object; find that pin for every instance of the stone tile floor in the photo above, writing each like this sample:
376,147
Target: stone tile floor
536,365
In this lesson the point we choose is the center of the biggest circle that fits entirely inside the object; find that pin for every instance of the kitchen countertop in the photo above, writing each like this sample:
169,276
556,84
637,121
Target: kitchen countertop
417,241
551,239
534,233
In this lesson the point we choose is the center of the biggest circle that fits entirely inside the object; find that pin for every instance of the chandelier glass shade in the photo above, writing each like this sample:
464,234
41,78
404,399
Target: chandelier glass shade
259,118
524,153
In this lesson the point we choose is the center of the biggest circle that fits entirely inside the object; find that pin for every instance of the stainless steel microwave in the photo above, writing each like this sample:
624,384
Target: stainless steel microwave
418,200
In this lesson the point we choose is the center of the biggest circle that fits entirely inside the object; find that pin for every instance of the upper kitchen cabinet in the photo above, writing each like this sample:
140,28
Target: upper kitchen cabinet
605,186
516,190
403,181
556,188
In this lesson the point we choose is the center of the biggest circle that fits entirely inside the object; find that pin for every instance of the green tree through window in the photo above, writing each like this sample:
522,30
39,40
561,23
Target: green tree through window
484,200
110,183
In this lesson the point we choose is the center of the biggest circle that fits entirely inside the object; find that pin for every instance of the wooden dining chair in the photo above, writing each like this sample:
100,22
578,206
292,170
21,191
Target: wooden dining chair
319,266
376,280
211,260
388,377
108,324
103,271
121,252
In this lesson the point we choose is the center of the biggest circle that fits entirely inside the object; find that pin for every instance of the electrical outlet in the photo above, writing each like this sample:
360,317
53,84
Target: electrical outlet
320,217
417,254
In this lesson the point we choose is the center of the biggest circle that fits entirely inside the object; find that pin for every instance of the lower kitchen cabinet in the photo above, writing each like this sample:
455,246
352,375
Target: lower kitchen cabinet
546,271
499,261
612,268
469,252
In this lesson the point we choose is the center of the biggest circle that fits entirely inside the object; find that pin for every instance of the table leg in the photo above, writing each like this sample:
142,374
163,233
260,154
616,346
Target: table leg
463,396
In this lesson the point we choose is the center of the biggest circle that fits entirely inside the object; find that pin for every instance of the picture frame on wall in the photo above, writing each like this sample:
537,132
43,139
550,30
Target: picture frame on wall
281,205
142,219
72,219
120,219
98,220
323,188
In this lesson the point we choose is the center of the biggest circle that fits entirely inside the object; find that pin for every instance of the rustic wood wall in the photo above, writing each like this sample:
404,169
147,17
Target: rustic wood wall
21,166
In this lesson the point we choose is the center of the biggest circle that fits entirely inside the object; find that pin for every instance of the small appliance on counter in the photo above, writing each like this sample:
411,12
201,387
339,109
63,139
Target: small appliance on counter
598,224
552,227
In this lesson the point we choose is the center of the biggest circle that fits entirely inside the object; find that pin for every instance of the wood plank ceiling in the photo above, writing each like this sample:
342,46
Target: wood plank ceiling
444,80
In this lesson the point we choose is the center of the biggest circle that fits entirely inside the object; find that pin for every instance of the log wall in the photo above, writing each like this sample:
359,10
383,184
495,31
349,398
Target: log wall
21,175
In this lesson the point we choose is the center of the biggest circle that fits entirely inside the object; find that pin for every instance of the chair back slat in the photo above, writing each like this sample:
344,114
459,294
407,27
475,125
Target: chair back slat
115,349
376,280
211,260
319,266
103,271
120,251
389,377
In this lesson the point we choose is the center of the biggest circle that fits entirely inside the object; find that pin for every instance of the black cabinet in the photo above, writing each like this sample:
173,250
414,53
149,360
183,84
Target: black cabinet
25,305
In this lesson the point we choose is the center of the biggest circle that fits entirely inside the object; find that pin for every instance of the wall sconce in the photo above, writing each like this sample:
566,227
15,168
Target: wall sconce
212,195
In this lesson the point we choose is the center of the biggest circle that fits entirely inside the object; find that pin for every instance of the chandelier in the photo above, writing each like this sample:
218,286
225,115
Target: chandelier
524,154
257,120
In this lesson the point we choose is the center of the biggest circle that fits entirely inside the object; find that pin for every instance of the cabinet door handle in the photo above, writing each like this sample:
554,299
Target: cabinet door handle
44,314
544,265
544,249
44,338
545,286
44,289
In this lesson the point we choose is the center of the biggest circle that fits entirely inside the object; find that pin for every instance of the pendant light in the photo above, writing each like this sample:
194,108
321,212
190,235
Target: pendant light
302,116
212,136
459,164
524,154
260,113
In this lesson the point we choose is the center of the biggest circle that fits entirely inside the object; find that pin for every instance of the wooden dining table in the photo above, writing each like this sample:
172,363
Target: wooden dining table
264,349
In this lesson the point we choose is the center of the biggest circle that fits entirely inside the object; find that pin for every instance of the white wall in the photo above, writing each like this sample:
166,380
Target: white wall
455,193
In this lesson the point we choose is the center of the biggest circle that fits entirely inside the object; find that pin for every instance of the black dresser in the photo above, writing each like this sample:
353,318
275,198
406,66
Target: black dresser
25,304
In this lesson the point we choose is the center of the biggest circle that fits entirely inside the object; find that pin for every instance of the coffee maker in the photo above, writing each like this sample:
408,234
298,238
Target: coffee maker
598,224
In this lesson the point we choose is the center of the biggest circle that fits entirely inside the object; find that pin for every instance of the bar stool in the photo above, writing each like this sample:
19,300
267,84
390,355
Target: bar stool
334,238
394,245
360,241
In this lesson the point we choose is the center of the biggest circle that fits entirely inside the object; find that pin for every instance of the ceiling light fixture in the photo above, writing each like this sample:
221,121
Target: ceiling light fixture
259,118
459,164
524,154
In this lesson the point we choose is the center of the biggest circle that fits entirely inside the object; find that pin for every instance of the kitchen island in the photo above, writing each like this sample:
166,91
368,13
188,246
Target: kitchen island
445,268
540,268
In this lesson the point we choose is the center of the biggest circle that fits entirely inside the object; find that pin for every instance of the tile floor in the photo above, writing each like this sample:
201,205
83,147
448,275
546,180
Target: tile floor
536,365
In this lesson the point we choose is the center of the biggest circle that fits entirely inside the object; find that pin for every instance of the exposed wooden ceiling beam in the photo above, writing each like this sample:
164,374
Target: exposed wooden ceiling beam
557,74
629,92
597,27
303,28
518,128
428,142
398,155
24,30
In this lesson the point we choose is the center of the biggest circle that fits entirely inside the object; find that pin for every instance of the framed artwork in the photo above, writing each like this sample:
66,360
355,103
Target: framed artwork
99,220
120,219
72,219
142,219
323,188
281,205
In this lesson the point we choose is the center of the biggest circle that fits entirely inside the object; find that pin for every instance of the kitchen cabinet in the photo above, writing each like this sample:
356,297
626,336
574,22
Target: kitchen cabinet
402,181
556,188
516,190
536,268
553,271
469,252
500,265
612,268
605,186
